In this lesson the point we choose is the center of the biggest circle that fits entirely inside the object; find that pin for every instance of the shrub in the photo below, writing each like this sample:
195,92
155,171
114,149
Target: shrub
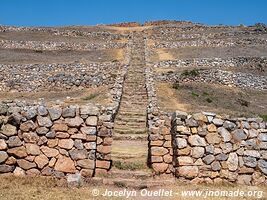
192,73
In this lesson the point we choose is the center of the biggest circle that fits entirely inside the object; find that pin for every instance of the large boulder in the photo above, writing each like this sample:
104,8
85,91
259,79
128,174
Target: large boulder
65,164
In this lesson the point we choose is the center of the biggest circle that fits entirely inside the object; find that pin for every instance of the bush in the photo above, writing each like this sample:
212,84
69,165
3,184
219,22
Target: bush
264,117
192,73
176,85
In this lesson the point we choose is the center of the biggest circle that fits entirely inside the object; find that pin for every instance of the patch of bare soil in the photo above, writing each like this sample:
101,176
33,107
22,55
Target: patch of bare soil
214,52
26,56
95,95
197,97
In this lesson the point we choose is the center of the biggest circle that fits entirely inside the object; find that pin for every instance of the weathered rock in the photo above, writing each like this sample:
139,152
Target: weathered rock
30,137
19,152
24,164
86,163
158,151
212,128
250,161
62,135
44,121
208,159
252,153
3,145
74,122
91,121
55,113
216,166
42,110
60,127
65,164
232,162
66,143
181,143
42,130
262,164
78,154
88,130
160,167
239,135
198,152
3,156
49,152
28,126
218,122
185,160
225,134
14,141
41,161
196,140
6,168
8,130
221,157
213,138
244,179
69,112
90,145
262,137
19,172
229,125
32,149
188,171
89,110
200,117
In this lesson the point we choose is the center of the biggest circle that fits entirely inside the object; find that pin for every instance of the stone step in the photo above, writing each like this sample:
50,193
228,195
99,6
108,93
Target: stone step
128,126
117,136
131,118
130,131
121,122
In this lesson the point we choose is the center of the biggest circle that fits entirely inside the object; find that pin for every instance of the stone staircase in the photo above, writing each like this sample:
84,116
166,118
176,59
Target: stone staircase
130,138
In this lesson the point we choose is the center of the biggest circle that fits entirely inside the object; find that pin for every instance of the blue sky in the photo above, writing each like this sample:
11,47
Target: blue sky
91,12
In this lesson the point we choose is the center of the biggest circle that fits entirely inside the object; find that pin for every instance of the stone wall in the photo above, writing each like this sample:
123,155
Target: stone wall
36,139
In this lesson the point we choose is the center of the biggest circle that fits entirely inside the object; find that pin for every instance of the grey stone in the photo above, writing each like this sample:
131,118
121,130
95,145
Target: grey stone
42,110
252,153
217,121
210,149
6,168
44,121
42,130
232,162
51,134
181,143
262,164
3,156
88,130
250,161
225,134
89,110
31,113
221,157
191,122
239,135
69,112
229,125
78,154
55,113
226,147
78,144
14,141
262,137
208,159
216,166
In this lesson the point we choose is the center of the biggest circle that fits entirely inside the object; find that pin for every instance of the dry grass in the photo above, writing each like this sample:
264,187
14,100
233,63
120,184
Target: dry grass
68,97
14,188
197,97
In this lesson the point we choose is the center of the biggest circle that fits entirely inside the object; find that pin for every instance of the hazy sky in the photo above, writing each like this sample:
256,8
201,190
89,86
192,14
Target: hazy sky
90,12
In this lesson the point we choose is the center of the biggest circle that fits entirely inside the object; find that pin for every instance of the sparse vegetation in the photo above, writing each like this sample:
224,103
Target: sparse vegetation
209,100
90,97
191,73
243,102
120,184
128,166
264,117
194,94
176,85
